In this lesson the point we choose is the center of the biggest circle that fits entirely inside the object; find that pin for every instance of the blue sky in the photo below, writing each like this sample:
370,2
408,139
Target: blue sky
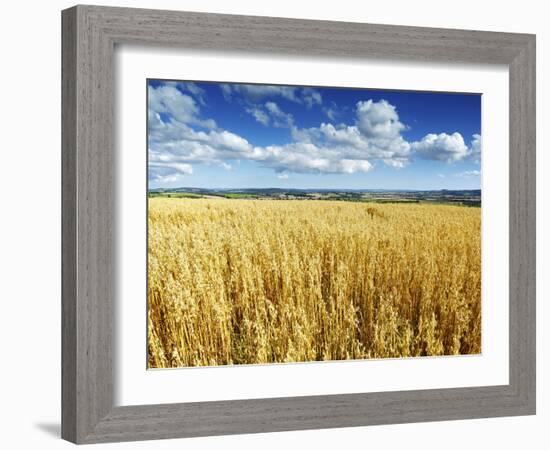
220,135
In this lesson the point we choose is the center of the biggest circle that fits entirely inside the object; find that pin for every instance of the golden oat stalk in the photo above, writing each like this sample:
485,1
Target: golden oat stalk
269,281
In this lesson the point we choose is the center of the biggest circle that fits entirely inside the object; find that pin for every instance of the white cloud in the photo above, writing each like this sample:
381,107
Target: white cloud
326,149
396,163
190,146
188,86
282,176
183,108
376,135
270,113
306,157
280,118
168,172
468,174
378,120
259,115
255,93
476,148
442,147
227,90
311,97
354,165
195,90
228,141
177,144
331,113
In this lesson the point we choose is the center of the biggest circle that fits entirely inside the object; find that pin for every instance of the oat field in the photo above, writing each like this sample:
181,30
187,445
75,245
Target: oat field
272,281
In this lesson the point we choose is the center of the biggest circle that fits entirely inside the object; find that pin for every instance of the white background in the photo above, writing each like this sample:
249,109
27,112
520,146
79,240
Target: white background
134,385
30,225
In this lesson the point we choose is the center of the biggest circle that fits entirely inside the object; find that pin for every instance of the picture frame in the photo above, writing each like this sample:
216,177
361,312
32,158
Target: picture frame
89,37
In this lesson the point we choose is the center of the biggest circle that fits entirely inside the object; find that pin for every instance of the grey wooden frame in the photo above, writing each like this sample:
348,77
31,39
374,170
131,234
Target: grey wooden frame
89,37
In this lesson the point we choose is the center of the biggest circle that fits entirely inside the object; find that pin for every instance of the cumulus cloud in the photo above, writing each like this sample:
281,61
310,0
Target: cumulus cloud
175,144
179,138
378,120
305,157
218,147
375,135
183,108
254,93
442,147
184,138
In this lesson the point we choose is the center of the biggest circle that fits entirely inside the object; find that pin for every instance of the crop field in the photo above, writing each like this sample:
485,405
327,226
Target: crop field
242,281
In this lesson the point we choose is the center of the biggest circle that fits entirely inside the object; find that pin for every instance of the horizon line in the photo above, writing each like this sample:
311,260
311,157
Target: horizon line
314,189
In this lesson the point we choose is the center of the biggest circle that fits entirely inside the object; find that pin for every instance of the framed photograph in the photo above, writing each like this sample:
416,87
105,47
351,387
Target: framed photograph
278,224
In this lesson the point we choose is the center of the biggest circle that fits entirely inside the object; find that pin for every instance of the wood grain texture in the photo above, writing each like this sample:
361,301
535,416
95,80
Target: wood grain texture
89,36
68,226
88,209
523,224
